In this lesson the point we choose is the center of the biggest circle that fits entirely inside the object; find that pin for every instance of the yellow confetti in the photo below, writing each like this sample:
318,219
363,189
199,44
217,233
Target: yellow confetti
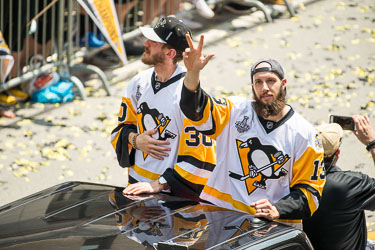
69,173
24,122
356,41
241,72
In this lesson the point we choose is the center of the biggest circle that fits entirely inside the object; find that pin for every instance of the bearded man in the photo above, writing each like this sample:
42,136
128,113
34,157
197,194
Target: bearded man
269,158
161,150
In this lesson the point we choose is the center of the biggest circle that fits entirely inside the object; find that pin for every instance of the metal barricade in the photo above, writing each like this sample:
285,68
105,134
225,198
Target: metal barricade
55,30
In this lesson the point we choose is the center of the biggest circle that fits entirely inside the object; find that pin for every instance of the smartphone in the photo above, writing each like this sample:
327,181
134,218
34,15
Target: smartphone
346,122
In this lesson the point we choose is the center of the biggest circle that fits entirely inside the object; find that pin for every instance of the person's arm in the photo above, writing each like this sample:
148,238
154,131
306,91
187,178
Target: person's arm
307,182
193,99
195,162
127,124
119,139
194,62
365,133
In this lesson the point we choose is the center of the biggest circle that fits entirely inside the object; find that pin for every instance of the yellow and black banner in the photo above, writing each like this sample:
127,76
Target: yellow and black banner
6,59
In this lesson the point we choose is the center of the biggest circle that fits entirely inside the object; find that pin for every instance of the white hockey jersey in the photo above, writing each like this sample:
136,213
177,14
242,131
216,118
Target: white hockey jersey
149,104
260,161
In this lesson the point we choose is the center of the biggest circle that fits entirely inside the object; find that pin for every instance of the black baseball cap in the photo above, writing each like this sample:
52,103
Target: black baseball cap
275,67
168,30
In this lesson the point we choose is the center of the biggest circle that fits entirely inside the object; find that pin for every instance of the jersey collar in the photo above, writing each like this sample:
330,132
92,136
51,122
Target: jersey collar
270,126
158,85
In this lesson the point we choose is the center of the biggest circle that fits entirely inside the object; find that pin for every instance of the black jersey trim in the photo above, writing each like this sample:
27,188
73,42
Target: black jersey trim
309,188
157,85
195,162
270,126
132,180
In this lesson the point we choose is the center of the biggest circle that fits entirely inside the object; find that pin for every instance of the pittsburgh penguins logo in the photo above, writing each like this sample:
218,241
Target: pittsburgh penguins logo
259,163
151,119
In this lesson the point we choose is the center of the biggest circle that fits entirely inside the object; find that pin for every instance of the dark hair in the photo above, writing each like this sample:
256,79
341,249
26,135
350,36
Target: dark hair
179,53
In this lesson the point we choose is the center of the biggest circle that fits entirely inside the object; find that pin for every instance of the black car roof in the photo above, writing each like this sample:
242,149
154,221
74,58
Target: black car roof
77,215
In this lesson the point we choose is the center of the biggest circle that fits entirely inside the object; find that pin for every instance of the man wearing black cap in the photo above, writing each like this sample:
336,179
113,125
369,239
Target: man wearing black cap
152,139
269,158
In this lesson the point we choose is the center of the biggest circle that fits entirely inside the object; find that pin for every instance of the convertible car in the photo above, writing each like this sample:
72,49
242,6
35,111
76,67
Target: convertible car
77,215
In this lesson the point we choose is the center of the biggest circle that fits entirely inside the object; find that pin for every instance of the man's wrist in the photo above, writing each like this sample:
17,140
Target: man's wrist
163,183
133,140
371,145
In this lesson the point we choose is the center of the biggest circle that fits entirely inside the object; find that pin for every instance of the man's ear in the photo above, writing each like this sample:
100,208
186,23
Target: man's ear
284,81
171,53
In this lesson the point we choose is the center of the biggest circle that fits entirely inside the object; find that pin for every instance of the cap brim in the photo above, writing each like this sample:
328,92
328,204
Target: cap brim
150,34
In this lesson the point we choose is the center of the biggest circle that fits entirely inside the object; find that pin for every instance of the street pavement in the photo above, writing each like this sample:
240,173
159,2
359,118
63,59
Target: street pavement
327,51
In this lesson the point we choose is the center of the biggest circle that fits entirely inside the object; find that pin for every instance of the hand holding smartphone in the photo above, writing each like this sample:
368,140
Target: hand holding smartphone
346,122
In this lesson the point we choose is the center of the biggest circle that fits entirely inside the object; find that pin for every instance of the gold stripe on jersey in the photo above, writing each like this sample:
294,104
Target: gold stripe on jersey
144,173
228,198
221,115
189,176
310,199
303,170
213,208
114,141
289,221
131,114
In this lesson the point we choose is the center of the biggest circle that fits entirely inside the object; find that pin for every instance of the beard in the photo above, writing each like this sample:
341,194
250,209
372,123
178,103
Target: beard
273,108
149,59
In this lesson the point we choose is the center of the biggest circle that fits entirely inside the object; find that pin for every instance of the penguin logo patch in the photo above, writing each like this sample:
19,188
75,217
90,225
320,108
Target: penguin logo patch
150,119
259,163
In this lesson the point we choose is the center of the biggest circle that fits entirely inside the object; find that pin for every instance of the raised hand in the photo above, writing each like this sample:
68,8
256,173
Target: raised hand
193,57
364,131
194,62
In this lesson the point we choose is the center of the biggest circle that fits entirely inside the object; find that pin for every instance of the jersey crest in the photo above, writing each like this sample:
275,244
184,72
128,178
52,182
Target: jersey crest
259,163
150,119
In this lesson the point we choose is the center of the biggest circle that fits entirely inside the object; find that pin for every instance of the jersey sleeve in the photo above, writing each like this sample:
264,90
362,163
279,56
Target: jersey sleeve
307,181
195,162
361,192
208,114
127,123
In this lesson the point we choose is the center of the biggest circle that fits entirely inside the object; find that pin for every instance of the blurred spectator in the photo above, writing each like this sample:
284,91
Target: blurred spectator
340,222
4,112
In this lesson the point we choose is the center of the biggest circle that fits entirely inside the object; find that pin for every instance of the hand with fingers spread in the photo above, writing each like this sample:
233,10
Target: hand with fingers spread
265,209
149,145
364,131
194,62
143,187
